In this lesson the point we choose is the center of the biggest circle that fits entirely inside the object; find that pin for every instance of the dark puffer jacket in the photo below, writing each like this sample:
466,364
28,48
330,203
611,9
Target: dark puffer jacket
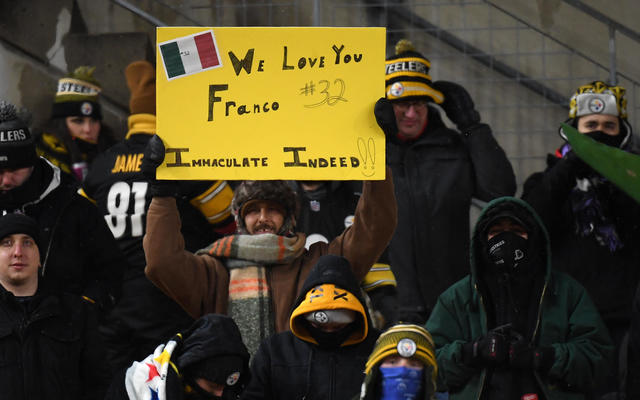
435,179
287,366
78,252
50,348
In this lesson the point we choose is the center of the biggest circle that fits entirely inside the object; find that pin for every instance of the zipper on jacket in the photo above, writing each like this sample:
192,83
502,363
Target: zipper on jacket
483,374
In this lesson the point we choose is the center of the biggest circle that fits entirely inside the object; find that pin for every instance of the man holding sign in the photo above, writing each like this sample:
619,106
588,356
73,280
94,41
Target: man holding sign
256,274
594,226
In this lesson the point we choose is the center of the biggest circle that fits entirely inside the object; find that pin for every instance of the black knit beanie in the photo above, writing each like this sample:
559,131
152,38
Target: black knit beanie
19,223
17,148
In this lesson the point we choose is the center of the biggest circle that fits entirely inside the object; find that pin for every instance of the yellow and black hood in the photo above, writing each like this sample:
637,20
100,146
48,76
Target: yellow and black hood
330,285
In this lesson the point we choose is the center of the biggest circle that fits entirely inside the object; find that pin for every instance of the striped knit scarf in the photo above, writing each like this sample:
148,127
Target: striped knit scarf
247,258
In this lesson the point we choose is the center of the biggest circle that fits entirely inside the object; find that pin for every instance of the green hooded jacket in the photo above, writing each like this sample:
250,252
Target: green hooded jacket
567,320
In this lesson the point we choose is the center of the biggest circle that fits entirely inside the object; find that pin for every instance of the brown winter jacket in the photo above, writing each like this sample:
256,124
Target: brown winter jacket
200,283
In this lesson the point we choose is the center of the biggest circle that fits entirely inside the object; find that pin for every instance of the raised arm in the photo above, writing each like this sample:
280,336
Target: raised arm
374,222
191,280
493,172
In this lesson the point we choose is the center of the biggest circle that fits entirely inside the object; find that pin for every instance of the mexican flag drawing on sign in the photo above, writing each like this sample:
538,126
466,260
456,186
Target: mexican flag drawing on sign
190,54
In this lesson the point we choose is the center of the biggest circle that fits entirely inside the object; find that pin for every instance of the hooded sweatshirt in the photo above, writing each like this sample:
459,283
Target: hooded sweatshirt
560,314
292,365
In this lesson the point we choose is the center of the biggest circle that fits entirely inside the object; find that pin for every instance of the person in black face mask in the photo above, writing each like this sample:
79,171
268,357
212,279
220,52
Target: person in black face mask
515,328
594,226
325,352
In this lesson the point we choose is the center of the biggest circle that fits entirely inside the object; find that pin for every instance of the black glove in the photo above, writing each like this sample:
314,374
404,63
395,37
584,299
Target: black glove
489,350
153,158
385,117
458,105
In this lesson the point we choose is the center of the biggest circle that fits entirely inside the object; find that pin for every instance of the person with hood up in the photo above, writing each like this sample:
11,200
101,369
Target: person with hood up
325,352
402,366
437,171
516,328
208,361
594,226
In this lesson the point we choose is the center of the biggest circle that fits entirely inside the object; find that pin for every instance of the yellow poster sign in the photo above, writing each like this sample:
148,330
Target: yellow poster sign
270,103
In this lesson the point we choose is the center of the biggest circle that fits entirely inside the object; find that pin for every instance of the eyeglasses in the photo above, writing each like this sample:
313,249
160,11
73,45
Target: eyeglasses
404,105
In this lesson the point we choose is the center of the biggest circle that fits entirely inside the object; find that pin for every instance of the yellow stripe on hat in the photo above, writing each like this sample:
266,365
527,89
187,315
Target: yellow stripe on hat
379,275
414,89
403,74
387,343
409,328
215,202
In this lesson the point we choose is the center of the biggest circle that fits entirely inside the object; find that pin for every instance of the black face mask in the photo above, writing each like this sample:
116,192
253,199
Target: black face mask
599,136
329,340
507,253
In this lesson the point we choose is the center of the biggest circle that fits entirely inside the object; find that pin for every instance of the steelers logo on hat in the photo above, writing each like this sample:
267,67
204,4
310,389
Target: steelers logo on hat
596,105
406,347
321,317
396,89
86,108
233,378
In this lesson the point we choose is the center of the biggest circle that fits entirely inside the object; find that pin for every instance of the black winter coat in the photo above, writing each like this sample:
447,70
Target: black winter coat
610,278
287,367
435,179
78,252
50,348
